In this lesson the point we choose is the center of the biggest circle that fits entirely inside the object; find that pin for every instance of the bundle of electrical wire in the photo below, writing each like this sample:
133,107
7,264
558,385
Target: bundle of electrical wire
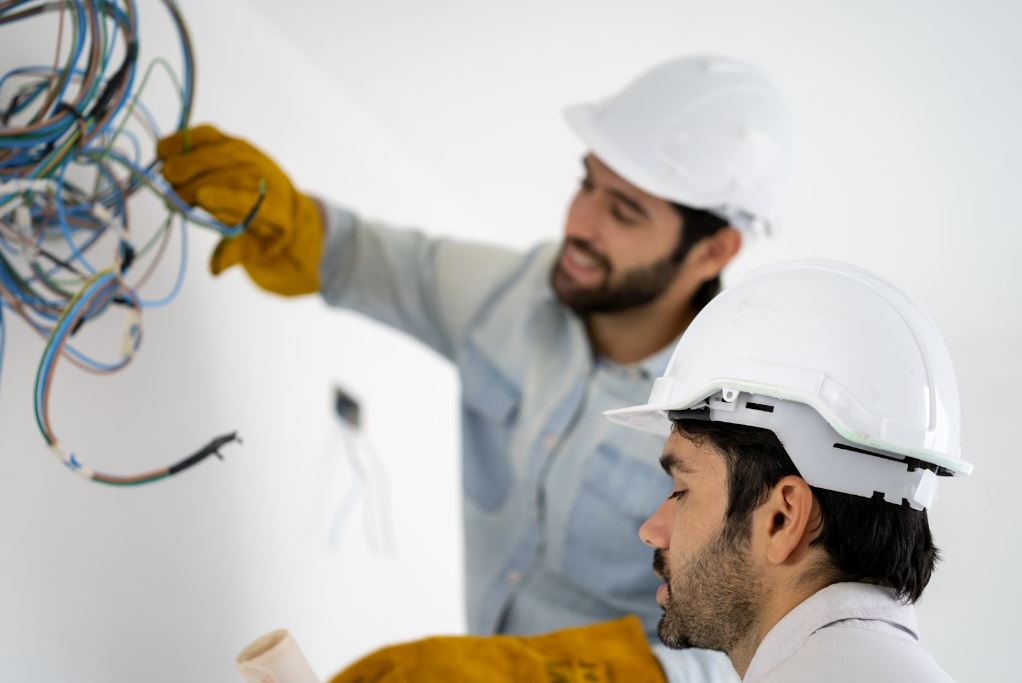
71,157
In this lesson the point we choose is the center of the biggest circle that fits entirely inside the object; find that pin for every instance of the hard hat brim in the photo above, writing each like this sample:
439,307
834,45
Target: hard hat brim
653,418
581,119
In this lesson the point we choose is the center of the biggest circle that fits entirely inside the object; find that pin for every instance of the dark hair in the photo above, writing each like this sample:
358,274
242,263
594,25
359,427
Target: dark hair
867,539
696,225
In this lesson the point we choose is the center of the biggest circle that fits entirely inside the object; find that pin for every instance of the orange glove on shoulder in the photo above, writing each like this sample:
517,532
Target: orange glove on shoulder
282,246
612,651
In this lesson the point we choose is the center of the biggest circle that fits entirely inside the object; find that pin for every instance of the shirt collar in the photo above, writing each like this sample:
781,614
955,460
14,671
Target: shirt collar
544,288
656,365
824,608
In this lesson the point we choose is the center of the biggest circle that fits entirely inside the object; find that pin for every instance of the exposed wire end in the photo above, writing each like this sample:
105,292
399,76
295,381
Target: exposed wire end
212,448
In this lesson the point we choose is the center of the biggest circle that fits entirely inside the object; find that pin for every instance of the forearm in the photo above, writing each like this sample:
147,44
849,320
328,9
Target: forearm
428,288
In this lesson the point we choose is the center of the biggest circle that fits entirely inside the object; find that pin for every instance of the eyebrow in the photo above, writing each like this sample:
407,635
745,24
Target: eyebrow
672,464
633,204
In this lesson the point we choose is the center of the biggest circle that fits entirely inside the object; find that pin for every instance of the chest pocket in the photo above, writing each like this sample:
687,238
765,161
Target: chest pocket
603,552
489,415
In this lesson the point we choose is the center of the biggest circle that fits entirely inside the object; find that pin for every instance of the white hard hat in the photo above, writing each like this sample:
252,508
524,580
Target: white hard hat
852,376
705,131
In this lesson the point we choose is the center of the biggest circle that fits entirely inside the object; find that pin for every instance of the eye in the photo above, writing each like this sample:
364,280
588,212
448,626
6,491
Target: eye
585,184
622,218
677,495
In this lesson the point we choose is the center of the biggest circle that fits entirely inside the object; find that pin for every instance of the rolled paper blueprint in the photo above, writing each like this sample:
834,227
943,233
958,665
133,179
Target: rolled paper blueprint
274,658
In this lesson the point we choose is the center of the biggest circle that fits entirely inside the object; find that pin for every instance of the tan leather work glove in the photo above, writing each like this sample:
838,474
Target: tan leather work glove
283,244
610,652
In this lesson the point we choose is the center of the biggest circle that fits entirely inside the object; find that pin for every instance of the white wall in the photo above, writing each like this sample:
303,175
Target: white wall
166,583
446,115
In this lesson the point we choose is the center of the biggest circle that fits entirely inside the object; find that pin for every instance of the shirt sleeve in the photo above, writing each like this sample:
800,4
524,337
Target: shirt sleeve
428,288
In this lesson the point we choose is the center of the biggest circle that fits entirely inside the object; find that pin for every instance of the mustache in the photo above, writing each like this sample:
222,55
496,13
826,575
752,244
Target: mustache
660,565
587,248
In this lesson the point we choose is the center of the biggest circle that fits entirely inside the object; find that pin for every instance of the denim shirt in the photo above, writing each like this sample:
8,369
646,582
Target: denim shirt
554,493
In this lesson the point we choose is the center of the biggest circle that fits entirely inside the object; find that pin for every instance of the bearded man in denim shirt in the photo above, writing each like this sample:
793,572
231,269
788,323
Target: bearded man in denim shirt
682,162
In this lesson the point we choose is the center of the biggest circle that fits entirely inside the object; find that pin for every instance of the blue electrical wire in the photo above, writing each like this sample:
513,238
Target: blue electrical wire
86,300
179,280
51,272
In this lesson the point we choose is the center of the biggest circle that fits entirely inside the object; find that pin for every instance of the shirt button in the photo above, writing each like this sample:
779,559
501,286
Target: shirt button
513,577
550,441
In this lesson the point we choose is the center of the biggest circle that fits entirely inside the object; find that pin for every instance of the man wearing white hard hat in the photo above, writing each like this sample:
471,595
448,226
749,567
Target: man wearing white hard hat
684,160
809,413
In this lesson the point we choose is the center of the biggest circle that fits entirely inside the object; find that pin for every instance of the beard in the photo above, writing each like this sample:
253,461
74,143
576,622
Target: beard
712,599
637,287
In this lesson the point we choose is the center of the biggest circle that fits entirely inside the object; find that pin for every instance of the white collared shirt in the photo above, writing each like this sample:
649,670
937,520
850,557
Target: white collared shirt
845,632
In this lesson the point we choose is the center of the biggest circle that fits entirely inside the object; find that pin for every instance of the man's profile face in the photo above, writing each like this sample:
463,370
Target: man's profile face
712,591
619,244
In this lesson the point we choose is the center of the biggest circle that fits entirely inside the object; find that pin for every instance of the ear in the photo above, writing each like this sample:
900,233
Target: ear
785,519
712,253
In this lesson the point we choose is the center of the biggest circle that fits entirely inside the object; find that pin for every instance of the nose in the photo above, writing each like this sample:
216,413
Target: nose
656,530
583,218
